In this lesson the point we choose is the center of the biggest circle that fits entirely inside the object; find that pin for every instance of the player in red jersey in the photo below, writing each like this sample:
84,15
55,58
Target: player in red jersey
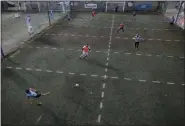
93,13
121,27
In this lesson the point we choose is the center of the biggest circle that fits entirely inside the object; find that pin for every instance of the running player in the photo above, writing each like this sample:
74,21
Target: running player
121,27
32,93
134,15
85,51
137,40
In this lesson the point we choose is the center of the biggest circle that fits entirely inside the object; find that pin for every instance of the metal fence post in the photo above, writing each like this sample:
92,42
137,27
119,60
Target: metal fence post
178,11
49,13
2,53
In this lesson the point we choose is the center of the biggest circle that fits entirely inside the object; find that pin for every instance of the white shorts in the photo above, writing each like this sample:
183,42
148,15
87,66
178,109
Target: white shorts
84,53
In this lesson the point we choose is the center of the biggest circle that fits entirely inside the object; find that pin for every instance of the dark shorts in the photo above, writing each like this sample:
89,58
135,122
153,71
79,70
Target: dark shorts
68,19
171,23
137,43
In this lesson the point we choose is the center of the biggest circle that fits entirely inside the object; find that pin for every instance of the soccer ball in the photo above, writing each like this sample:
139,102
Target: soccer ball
76,85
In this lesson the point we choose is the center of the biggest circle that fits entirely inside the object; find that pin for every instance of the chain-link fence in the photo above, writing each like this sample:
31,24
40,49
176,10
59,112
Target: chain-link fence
23,20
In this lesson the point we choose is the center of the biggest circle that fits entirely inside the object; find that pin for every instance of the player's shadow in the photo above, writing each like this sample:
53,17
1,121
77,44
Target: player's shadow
47,41
100,64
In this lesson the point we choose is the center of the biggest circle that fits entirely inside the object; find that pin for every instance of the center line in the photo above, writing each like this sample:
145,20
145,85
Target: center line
105,69
101,104
99,118
104,85
102,94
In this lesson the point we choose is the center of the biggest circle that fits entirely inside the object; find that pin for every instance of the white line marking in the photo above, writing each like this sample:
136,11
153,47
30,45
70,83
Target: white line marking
97,51
108,54
116,52
71,73
107,58
168,40
157,55
150,39
59,72
138,54
117,37
94,75
99,118
181,57
9,67
38,47
170,56
177,40
83,74
142,80
38,69
156,82
107,64
18,68
102,94
38,120
48,71
46,47
158,39
94,36
114,77
148,55
127,79
108,50
183,84
105,76
52,34
127,53
54,48
105,69
102,36
104,85
28,69
125,38
101,105
170,83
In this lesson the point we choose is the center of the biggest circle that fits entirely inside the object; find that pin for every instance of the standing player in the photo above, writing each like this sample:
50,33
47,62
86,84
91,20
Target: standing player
134,15
172,21
121,27
85,51
137,40
68,18
32,93
93,14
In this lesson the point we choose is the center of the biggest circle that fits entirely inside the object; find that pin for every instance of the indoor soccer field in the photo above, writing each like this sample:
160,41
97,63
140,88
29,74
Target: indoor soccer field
118,85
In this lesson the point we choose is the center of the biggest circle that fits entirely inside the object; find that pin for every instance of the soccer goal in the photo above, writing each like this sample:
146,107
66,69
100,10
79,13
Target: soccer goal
112,5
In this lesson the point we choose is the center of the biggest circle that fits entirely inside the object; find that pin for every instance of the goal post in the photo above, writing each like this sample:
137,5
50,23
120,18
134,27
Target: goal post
119,3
